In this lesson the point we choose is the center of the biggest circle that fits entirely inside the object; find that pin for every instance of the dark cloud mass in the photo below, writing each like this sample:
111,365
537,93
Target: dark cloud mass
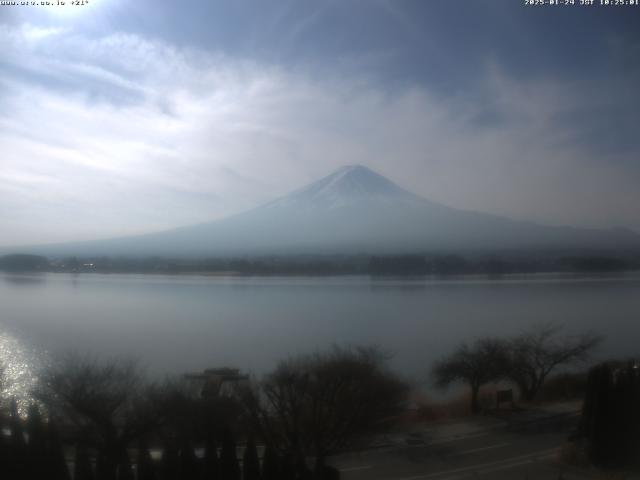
128,117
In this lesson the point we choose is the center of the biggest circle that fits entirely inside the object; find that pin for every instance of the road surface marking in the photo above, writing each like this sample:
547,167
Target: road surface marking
515,464
354,469
457,439
394,447
508,466
474,450
507,462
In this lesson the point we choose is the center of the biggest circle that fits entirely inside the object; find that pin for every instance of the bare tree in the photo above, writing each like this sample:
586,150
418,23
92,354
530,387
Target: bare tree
476,365
316,405
535,354
105,404
187,415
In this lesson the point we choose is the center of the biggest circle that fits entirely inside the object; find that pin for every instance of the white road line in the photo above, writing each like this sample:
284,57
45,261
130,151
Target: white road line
457,439
475,473
355,469
392,448
506,463
474,450
516,464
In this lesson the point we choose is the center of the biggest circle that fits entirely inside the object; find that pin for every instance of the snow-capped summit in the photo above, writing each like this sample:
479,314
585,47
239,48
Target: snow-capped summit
347,185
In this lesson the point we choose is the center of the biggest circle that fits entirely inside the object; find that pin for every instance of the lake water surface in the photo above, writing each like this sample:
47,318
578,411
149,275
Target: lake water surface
175,324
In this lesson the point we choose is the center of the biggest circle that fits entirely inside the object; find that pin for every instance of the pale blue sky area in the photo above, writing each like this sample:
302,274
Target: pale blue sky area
124,117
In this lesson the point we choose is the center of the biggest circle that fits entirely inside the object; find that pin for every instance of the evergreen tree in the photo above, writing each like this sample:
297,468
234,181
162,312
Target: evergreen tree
170,462
625,414
188,462
229,467
6,461
596,419
146,468
211,469
82,464
287,469
250,461
105,467
37,446
57,463
610,417
301,468
17,445
270,470
125,471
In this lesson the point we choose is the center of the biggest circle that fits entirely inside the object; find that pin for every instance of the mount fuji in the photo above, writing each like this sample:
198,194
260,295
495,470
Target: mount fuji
354,210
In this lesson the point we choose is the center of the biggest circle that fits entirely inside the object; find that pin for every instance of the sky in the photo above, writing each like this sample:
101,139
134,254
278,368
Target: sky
121,117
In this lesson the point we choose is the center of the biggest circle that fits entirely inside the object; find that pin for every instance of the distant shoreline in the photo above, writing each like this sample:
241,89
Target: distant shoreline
403,266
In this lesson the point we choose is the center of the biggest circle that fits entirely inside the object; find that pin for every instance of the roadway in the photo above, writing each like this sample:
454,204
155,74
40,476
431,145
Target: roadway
494,455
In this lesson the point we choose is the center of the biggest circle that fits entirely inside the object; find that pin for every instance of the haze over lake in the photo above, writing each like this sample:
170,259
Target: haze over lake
175,324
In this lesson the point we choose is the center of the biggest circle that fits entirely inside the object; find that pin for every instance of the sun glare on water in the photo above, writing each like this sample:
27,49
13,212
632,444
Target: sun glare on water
18,365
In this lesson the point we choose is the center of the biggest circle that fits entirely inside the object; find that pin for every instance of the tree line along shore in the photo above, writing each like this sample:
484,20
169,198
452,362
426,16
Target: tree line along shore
490,264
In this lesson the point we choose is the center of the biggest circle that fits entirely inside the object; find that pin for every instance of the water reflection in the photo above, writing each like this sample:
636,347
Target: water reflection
28,280
19,365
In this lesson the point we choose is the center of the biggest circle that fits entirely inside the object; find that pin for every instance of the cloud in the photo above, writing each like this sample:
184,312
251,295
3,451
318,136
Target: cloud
123,134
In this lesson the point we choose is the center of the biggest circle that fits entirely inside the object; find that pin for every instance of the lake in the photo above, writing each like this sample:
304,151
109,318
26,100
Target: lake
175,324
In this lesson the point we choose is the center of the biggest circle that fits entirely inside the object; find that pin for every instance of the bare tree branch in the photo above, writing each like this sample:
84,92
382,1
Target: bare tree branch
535,354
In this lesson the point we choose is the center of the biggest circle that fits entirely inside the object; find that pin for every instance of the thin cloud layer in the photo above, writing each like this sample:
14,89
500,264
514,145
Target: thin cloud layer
117,134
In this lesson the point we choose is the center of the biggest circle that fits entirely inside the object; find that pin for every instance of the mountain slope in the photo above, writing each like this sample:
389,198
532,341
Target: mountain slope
354,210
